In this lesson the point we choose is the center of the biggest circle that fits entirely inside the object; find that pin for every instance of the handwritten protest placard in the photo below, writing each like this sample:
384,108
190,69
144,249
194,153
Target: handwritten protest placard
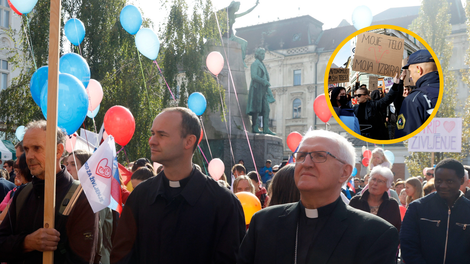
407,80
373,81
378,54
338,75
441,135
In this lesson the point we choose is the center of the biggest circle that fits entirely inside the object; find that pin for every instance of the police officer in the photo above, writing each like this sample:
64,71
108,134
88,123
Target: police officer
420,103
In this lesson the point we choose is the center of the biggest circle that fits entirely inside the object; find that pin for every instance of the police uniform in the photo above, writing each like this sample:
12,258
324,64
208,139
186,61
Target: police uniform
420,103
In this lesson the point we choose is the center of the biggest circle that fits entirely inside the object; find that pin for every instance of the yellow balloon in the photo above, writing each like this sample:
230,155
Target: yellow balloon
250,204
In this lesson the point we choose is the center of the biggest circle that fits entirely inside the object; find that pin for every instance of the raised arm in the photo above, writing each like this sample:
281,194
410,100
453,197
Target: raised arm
247,11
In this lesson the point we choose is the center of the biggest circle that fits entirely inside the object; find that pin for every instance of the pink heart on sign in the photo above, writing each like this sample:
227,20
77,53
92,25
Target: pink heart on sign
103,170
449,125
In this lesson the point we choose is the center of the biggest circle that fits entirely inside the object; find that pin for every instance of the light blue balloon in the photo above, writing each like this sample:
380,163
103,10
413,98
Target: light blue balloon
75,31
37,82
24,6
390,156
76,65
197,103
20,132
361,17
354,172
91,114
72,103
147,43
131,19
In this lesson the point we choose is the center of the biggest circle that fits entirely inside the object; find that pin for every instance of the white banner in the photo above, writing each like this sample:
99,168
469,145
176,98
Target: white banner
441,135
96,175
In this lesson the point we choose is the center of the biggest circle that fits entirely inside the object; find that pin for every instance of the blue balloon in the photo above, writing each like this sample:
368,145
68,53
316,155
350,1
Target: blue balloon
197,103
37,82
92,114
24,6
76,65
131,19
75,31
390,156
147,43
354,172
20,132
361,17
72,103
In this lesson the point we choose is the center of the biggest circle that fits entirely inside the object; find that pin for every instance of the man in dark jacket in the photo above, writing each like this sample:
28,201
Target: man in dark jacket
320,228
420,103
5,186
22,236
180,215
434,229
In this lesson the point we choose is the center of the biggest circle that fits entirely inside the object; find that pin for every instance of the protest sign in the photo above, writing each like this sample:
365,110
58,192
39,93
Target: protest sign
407,81
378,54
338,75
373,81
441,135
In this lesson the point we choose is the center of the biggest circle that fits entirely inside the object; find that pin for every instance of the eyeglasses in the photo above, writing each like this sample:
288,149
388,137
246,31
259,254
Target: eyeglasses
315,156
375,180
429,174
359,95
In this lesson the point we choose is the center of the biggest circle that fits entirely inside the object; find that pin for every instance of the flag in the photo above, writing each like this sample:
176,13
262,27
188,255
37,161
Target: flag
96,175
116,199
125,174
351,184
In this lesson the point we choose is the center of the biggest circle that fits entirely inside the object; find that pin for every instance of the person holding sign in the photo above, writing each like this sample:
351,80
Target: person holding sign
369,112
420,103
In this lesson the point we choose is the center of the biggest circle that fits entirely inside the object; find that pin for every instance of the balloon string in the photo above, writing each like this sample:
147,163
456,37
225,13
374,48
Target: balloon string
156,63
205,135
202,154
125,154
120,150
235,92
30,43
143,77
225,119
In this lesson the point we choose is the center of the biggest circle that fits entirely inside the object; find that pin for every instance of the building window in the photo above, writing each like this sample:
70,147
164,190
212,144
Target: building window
4,13
5,72
297,77
296,108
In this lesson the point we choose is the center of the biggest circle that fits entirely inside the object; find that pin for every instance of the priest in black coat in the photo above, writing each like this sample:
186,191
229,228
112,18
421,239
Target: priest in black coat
319,228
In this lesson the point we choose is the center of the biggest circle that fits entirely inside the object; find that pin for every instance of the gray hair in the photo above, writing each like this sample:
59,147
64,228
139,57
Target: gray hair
346,148
384,172
42,124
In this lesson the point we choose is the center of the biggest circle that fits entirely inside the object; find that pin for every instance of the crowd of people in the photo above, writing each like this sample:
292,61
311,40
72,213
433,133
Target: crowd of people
177,214
397,110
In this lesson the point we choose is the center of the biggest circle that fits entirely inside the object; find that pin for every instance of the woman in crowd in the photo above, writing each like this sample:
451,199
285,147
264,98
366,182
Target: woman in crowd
414,190
23,176
243,184
81,156
376,201
399,185
342,107
260,191
140,175
283,189
429,187
402,197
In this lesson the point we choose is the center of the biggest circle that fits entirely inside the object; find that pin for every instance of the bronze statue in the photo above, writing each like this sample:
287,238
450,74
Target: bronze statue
260,94
231,10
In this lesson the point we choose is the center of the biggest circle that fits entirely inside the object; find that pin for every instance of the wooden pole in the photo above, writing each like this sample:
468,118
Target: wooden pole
51,137
432,160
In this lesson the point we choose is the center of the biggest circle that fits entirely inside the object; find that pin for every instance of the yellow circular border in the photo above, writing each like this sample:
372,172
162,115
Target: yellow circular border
439,99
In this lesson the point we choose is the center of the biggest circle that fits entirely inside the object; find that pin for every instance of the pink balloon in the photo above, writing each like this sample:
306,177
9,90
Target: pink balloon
216,168
215,62
70,142
95,94
321,108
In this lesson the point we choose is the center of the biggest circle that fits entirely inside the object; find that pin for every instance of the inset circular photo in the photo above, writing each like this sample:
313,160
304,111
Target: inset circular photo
382,84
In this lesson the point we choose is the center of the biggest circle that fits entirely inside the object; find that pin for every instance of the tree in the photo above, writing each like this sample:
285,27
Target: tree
433,25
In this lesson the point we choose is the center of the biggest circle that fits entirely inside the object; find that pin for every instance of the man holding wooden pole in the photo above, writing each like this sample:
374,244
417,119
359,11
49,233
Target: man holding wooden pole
22,236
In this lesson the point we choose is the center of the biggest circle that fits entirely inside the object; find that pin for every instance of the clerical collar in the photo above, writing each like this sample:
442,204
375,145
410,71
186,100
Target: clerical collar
175,184
311,213
320,212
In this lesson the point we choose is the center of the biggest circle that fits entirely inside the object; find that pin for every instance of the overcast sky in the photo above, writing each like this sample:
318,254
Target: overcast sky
329,12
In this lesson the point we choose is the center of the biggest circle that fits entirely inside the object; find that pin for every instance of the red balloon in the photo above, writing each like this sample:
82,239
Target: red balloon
14,9
200,138
367,154
293,140
365,162
119,122
320,107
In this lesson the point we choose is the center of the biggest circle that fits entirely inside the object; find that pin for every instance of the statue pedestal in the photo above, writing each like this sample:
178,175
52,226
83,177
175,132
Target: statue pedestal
264,146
